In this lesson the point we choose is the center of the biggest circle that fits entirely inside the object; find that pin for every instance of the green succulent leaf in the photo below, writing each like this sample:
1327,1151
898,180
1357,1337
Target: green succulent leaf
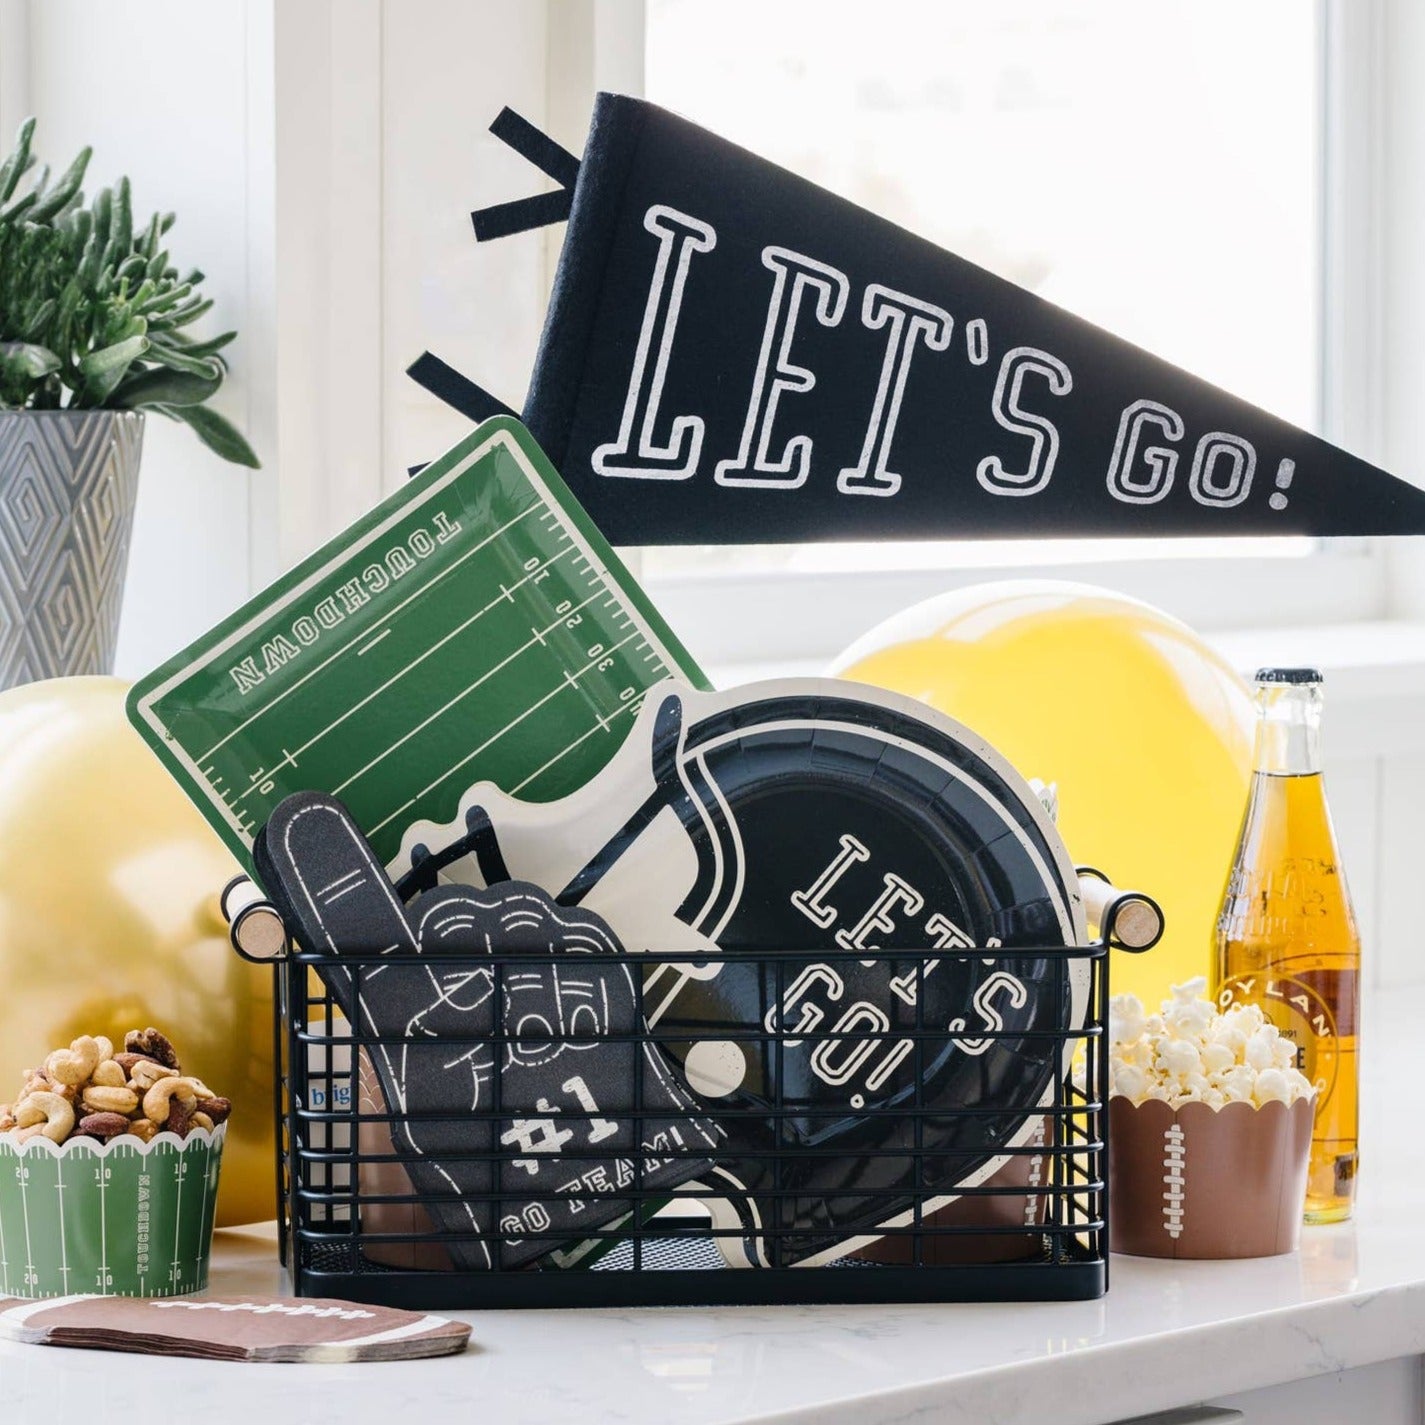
39,319
165,298
159,387
148,244
176,358
122,235
19,160
118,356
66,189
23,204
188,314
103,213
216,432
24,370
24,361
211,347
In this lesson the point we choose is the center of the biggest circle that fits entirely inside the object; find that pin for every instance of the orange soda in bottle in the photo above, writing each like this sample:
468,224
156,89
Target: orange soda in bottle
1286,934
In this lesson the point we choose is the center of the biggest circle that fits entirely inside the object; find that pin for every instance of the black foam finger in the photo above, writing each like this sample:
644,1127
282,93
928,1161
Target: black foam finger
318,867
339,897
478,1054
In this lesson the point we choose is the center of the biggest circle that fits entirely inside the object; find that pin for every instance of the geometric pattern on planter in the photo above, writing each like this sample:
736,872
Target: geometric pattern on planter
68,483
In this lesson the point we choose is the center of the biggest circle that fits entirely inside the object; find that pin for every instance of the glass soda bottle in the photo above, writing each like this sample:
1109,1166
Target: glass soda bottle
1286,933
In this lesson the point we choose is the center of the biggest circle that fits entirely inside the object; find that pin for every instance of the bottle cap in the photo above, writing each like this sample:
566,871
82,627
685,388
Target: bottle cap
1289,675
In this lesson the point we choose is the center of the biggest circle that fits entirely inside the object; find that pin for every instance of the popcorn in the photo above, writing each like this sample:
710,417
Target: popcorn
1189,1053
1126,1019
1217,1058
1185,1014
1258,1051
1130,1080
1178,1058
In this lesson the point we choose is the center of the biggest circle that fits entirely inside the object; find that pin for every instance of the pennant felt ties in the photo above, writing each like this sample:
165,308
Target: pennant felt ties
542,209
733,354
457,391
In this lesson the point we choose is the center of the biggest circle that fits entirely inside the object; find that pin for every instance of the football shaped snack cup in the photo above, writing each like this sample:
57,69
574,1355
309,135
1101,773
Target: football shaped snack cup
1199,1182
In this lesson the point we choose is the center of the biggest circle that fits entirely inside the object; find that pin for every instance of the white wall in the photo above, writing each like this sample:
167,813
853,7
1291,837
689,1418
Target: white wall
479,307
164,100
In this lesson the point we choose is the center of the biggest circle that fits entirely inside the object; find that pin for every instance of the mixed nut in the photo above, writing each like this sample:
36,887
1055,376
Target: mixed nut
91,1091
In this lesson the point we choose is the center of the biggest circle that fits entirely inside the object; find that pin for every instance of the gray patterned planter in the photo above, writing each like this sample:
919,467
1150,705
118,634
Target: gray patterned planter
68,482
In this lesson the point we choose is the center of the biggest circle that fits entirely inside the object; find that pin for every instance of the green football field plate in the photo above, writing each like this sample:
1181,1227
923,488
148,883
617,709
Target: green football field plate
474,626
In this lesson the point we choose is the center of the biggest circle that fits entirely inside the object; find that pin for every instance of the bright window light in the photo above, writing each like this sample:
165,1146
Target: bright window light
1154,168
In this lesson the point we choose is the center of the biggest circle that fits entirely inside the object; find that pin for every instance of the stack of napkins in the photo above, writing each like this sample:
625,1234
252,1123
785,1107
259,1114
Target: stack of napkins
233,1328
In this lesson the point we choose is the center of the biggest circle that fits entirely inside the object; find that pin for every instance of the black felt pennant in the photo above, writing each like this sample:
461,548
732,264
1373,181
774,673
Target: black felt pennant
733,354
536,1097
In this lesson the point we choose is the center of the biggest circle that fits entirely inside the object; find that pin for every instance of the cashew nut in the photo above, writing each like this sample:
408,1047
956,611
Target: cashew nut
147,1072
109,1075
74,1065
141,1128
158,1101
48,1113
7,1118
99,1099
201,1120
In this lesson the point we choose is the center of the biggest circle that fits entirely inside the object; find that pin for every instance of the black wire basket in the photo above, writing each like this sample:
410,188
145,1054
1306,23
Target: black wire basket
995,1195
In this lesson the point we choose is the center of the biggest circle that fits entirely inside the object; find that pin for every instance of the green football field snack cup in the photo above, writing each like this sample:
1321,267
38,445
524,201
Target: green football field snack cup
123,1218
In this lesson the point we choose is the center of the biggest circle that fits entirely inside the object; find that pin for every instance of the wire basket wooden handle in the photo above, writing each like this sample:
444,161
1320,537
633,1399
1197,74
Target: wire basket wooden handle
1137,919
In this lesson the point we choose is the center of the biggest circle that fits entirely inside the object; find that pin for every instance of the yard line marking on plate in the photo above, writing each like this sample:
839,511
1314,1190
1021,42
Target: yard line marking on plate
414,663
4,1258
602,723
178,1176
565,682
451,702
103,1224
386,617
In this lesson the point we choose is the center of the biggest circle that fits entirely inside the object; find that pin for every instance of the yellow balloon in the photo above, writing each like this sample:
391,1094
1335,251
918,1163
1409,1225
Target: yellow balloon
1146,731
109,918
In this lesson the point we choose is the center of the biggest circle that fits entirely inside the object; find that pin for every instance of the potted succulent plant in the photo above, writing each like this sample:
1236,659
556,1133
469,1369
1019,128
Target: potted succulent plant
95,330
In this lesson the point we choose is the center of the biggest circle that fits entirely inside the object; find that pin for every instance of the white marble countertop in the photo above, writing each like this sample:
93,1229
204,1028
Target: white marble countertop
1165,1335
